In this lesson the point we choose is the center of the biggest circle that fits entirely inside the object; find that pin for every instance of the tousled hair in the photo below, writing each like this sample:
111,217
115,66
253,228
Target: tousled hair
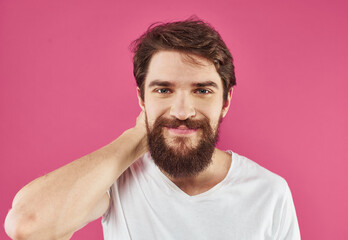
191,36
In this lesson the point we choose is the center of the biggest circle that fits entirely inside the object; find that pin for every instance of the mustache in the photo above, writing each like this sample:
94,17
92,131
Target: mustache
189,123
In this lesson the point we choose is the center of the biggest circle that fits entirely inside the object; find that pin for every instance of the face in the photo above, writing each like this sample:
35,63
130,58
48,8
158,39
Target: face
183,102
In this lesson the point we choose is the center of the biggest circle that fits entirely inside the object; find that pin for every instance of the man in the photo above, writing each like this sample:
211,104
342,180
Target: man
164,178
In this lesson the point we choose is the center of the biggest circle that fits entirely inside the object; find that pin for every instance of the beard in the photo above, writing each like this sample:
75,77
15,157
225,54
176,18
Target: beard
181,158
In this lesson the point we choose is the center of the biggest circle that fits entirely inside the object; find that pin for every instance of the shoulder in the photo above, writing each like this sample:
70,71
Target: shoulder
135,172
249,173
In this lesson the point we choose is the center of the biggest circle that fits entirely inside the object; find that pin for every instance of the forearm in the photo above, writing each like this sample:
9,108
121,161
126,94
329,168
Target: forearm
62,201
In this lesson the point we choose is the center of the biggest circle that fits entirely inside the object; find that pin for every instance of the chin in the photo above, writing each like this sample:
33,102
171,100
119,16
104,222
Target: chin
182,144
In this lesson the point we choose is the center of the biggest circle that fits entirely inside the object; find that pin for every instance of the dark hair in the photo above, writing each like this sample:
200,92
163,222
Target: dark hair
191,36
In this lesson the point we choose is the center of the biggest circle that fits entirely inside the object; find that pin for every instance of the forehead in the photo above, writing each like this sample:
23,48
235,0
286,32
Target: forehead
181,68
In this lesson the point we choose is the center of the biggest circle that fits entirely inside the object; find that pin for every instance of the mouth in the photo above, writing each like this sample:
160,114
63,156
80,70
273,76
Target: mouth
181,130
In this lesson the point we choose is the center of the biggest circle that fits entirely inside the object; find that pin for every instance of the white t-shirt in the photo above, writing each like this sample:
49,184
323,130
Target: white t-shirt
250,203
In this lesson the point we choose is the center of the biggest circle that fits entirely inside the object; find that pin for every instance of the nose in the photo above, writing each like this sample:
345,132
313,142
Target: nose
182,107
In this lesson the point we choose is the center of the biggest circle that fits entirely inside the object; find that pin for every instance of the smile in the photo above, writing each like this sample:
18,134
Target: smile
182,130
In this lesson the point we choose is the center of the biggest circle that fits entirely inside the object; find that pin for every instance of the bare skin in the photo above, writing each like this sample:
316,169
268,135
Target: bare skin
51,207
178,88
59,211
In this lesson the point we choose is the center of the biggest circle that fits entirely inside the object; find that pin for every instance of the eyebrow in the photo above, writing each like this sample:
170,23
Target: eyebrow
206,84
160,83
170,84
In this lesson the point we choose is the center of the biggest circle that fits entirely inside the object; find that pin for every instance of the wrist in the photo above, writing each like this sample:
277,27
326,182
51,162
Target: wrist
135,139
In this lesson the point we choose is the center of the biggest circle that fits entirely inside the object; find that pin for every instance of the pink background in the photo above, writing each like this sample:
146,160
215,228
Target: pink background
66,89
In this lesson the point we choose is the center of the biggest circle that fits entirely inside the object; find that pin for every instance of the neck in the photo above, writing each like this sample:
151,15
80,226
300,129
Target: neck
208,178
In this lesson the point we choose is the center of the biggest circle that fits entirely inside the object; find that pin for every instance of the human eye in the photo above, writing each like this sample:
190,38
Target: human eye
203,91
162,90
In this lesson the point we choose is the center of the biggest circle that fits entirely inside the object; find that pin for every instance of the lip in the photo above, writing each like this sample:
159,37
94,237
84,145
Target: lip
182,130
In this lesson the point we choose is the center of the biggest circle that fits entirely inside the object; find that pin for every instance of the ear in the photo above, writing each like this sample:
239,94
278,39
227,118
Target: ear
227,103
141,101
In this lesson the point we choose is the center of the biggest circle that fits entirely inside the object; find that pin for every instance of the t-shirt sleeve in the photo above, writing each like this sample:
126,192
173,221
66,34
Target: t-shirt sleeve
105,216
289,228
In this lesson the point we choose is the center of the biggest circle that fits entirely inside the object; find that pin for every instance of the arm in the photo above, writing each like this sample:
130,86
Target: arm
58,204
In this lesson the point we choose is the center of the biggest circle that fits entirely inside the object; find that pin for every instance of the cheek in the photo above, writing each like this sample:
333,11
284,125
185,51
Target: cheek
214,115
212,110
153,111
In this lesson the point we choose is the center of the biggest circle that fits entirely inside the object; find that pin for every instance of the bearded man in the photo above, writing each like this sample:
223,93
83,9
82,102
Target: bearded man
164,178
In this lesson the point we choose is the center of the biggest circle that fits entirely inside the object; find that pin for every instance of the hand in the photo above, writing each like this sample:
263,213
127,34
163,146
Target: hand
140,122
139,132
